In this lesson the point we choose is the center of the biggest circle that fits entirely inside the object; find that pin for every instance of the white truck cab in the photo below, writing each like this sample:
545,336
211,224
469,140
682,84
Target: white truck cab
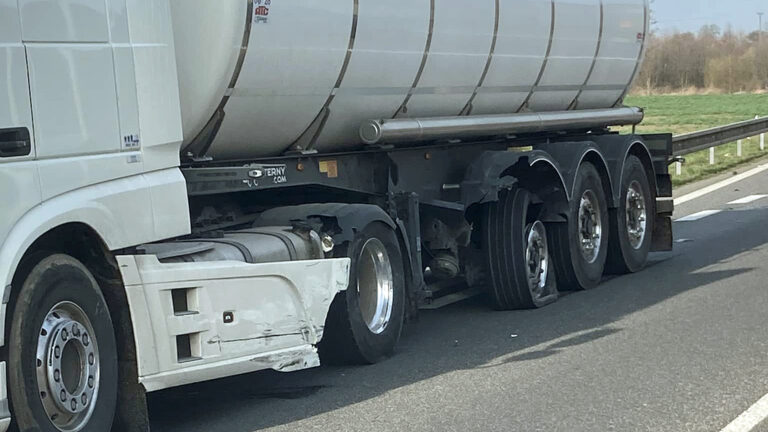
90,133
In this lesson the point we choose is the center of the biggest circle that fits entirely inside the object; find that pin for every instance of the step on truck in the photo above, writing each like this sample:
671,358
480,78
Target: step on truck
194,189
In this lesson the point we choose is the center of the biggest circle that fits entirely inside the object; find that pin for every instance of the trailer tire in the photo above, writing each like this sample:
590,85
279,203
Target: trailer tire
365,322
580,245
62,369
632,221
516,252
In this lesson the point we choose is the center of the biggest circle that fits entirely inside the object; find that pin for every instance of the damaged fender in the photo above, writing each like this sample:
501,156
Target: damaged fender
200,321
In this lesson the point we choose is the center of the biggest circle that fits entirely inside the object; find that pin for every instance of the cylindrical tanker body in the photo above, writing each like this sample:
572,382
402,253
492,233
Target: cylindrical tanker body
260,77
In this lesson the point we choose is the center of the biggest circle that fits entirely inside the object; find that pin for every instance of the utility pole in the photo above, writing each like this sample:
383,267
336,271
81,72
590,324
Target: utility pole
759,51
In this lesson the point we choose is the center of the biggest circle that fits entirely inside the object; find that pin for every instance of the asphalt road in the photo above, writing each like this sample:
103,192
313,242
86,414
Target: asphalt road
680,346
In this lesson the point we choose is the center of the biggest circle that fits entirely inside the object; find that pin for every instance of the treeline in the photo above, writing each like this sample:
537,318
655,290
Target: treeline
712,59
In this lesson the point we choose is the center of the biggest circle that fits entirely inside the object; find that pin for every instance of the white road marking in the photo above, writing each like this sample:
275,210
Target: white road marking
750,418
699,215
717,186
749,199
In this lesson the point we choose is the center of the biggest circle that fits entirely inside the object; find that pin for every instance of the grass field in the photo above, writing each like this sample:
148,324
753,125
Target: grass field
688,113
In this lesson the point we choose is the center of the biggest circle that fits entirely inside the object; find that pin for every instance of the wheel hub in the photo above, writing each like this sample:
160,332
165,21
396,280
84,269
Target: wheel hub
637,215
590,226
375,286
67,367
537,256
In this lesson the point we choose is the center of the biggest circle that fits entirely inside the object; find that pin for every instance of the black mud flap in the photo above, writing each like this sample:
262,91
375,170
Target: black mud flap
662,234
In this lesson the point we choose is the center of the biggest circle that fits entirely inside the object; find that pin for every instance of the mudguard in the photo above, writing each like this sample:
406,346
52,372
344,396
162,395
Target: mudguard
485,177
569,156
615,154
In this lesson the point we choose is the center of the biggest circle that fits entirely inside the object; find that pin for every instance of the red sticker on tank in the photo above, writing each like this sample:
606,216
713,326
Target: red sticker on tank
261,12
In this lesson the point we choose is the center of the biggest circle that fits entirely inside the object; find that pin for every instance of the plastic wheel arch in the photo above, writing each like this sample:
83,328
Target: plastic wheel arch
549,172
608,153
616,158
494,171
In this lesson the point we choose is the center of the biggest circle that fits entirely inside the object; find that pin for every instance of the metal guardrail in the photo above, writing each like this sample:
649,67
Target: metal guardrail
703,140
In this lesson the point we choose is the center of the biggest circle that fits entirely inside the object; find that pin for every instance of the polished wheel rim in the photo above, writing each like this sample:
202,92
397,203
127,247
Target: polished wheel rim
590,226
375,285
537,258
68,367
637,215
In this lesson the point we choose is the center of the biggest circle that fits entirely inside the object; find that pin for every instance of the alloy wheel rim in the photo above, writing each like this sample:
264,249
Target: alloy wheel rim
67,367
590,226
375,286
637,215
537,258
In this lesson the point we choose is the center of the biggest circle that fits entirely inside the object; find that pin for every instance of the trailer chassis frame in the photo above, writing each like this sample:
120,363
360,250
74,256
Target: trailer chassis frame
447,178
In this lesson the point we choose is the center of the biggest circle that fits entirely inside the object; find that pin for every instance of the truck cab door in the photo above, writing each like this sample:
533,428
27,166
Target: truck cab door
19,184
84,112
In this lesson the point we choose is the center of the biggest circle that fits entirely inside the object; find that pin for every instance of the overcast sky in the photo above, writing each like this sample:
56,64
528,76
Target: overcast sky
690,15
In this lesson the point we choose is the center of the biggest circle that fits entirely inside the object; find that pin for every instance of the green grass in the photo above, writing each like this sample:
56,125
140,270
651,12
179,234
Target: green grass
688,113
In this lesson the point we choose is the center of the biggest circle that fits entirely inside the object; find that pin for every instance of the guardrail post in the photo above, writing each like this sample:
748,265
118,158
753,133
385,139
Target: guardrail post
762,142
738,148
679,168
711,155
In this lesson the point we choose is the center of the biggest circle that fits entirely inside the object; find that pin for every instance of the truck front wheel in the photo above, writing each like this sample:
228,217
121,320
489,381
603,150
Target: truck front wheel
62,357
365,322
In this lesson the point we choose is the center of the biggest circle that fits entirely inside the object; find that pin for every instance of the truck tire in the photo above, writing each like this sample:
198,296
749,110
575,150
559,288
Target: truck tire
580,246
632,221
62,367
516,251
365,322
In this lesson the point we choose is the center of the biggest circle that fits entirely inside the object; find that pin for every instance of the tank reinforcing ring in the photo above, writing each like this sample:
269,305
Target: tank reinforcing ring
375,285
637,215
68,367
537,257
590,226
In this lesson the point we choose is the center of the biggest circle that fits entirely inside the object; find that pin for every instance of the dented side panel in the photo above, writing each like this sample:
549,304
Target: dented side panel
201,321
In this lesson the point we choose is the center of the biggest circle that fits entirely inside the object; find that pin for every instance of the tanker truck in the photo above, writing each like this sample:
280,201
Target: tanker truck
194,189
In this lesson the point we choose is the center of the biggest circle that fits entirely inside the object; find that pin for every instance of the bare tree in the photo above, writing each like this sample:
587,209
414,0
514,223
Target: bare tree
710,59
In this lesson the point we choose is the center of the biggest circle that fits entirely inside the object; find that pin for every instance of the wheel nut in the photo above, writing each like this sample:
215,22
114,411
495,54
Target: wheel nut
74,404
328,244
57,351
84,399
64,334
75,330
85,339
90,359
56,375
90,381
63,395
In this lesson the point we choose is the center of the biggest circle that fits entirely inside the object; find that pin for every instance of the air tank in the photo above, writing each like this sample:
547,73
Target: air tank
260,78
